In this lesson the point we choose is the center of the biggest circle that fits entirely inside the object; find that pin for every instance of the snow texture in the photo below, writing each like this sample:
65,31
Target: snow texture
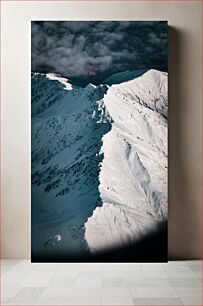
67,128
133,176
99,162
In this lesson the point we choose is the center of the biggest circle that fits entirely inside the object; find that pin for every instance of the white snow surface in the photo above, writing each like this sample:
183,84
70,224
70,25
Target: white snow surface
133,175
64,81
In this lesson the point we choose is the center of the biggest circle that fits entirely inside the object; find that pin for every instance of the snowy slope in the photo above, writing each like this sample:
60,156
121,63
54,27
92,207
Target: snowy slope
67,128
99,162
133,176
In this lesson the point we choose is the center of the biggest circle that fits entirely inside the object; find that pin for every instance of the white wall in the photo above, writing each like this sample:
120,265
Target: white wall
184,112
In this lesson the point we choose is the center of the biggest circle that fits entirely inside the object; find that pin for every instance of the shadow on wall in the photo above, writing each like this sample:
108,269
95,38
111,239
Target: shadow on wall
183,235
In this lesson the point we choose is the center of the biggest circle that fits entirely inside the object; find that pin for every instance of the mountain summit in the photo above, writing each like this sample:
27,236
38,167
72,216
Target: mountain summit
99,162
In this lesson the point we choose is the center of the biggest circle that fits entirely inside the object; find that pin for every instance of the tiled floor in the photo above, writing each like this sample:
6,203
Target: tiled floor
175,283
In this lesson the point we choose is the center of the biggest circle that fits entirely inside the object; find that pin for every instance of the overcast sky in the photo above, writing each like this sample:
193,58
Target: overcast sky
90,51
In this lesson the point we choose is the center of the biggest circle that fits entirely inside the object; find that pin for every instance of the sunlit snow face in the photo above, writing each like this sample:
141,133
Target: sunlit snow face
91,51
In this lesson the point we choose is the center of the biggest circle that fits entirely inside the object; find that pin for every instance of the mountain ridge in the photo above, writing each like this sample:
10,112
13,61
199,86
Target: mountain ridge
73,129
133,189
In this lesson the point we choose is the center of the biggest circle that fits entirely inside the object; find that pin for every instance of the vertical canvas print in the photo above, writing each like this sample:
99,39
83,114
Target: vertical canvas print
99,157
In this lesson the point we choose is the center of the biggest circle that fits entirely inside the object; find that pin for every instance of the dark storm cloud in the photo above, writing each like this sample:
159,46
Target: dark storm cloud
93,50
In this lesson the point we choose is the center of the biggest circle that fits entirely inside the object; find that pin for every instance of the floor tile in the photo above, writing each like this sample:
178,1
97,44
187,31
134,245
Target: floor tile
89,280
46,267
16,274
72,292
112,282
90,274
198,274
178,274
9,292
70,267
176,263
28,292
6,268
155,274
192,301
115,292
11,261
21,301
67,273
172,283
61,282
69,301
157,301
91,267
185,282
36,279
146,282
196,268
189,291
123,274
153,268
13,279
154,292
117,301
177,268
193,262
122,268
4,301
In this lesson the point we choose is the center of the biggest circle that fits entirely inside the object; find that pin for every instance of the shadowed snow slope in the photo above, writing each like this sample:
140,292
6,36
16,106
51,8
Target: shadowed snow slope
133,176
124,76
67,127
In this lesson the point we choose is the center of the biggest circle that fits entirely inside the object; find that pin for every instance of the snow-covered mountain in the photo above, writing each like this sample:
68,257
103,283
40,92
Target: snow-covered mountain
99,162
133,176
